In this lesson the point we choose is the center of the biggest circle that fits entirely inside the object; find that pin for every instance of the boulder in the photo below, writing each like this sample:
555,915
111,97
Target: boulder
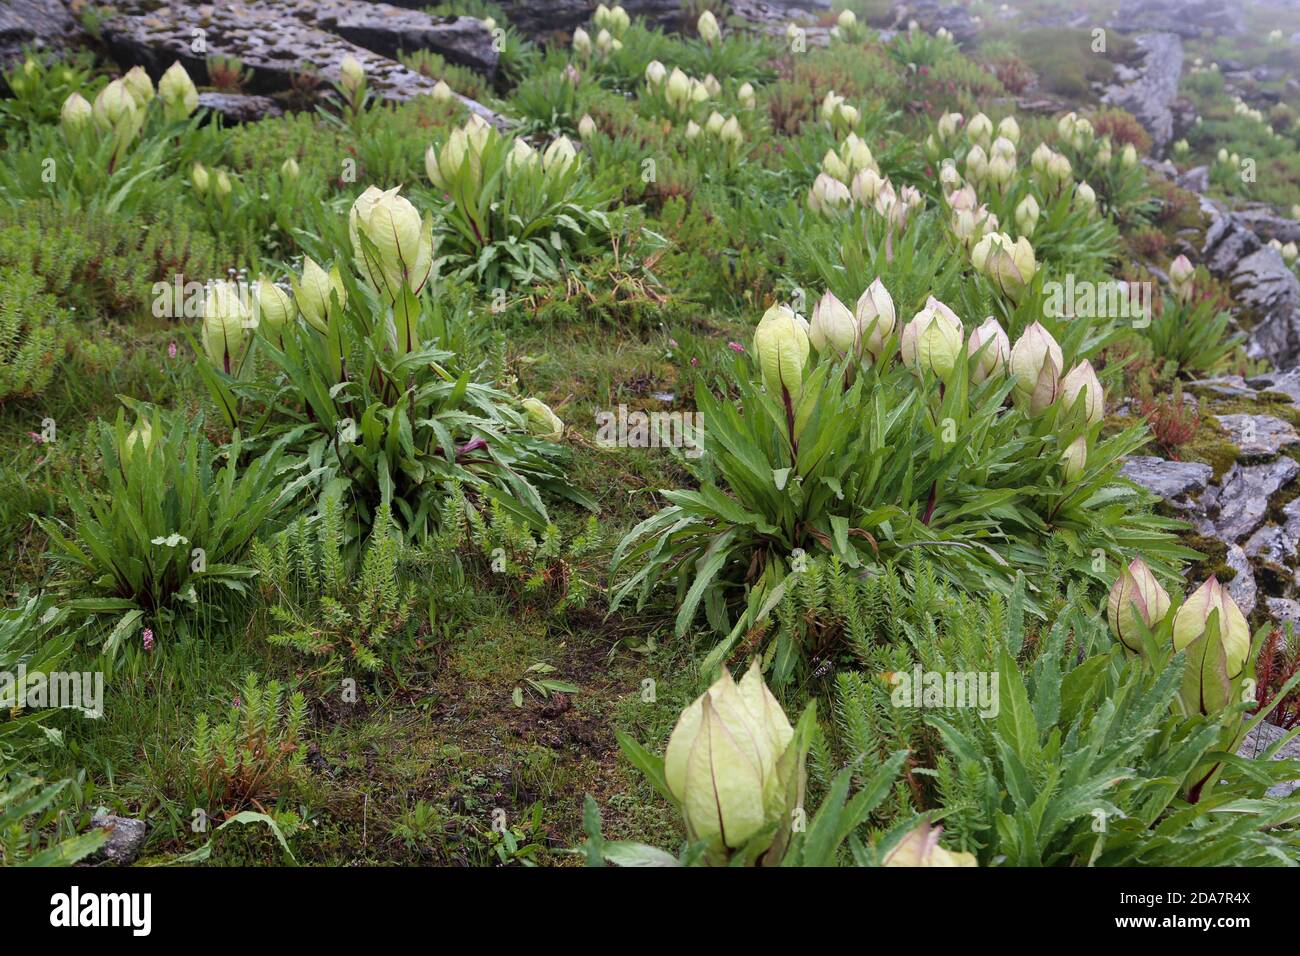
41,24
1168,479
1151,93
1284,383
125,840
1196,179
933,14
1265,287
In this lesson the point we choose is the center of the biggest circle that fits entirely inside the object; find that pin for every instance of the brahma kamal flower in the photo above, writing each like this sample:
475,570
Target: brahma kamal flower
1008,263
221,184
399,250
352,76
582,43
521,156
713,126
993,358
856,155
921,847
1027,216
1036,365
312,293
1212,666
225,325
831,104
200,179
1135,595
1086,196
543,422
1083,379
1103,152
731,133
833,326
932,340
655,73
115,111
1289,252
274,307
75,117
866,186
712,86
1129,156
1009,129
1083,133
559,156
1181,274
139,85
1000,171
745,96
948,125
977,163
442,93
1059,171
949,179
781,348
177,91
876,317
847,20
678,89
707,27
1040,158
828,194
1074,459
980,130
586,127
723,764
141,436
289,169
692,129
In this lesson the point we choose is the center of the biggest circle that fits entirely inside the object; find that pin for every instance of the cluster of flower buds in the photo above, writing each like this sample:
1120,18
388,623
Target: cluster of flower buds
1216,657
932,340
856,333
226,321
215,184
853,157
1286,250
969,219
614,19
838,115
781,347
682,92
726,129
1075,130
462,150
1053,168
316,291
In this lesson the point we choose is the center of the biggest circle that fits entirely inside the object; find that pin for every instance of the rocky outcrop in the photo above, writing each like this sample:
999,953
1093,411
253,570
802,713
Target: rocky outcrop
1186,18
1149,91
1258,436
279,41
1258,741
1265,289
40,24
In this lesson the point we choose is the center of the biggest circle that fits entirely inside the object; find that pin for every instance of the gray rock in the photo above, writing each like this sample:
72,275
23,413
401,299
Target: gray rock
240,107
1187,18
1268,225
1243,497
1265,287
1259,435
383,28
1232,386
1196,179
125,839
1168,479
40,24
1257,742
1284,383
1242,588
1227,242
1150,97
